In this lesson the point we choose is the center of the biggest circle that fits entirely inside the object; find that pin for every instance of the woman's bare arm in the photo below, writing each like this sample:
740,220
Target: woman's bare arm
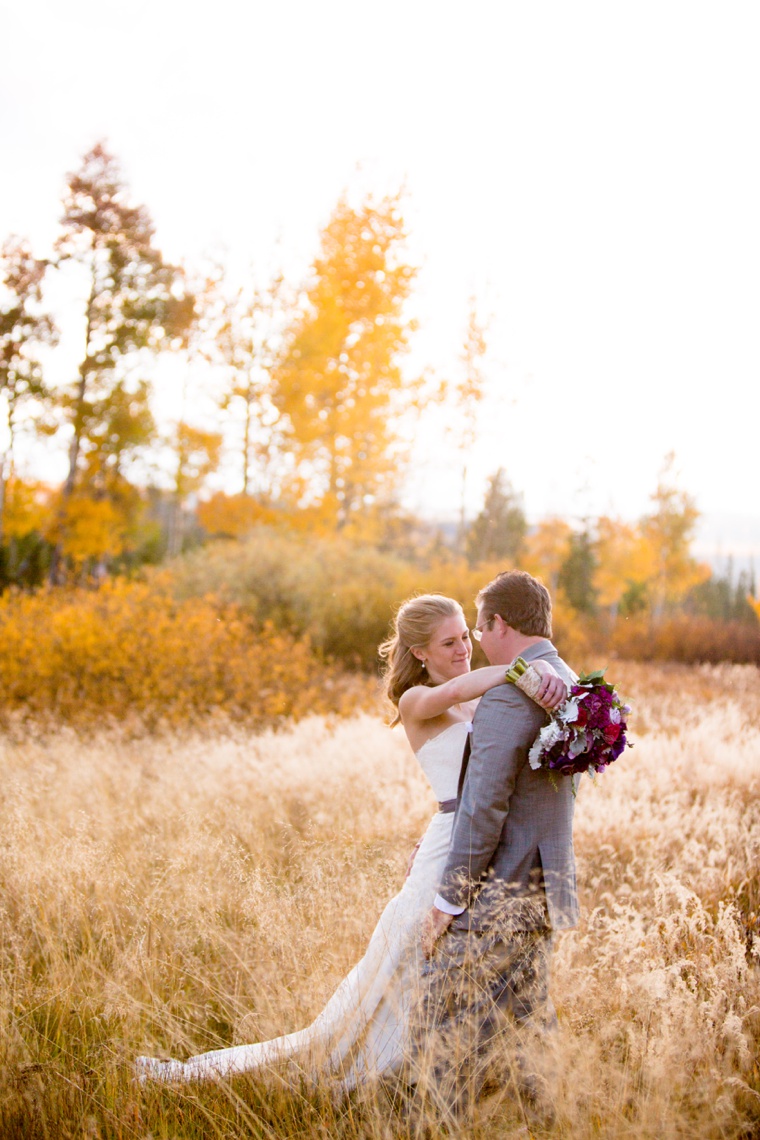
423,702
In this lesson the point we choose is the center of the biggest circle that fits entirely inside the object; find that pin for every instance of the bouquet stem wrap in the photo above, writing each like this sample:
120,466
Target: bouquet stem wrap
525,677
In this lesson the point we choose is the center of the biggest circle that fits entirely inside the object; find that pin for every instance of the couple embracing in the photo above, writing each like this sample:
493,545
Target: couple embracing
461,955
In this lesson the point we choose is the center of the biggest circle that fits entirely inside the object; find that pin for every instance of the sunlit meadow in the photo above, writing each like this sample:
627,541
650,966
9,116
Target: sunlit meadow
181,892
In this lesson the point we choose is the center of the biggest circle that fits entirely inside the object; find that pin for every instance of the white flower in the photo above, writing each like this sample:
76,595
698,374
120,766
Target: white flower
550,734
615,716
570,711
534,756
578,745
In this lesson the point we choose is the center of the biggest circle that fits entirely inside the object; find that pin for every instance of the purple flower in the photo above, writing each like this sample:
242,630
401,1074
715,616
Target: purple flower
595,736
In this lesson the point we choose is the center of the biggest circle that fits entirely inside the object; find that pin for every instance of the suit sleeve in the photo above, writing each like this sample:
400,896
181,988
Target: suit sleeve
506,724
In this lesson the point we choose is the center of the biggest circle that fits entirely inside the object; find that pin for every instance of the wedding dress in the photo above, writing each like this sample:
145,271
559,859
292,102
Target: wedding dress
363,1029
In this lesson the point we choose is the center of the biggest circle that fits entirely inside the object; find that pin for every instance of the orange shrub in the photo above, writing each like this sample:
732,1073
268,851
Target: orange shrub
131,650
688,639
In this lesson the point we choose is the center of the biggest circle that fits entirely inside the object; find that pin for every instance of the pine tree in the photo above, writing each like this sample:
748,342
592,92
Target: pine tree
499,530
576,575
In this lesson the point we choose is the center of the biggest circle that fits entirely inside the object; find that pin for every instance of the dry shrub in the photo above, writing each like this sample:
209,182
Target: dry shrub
340,594
130,651
686,638
179,893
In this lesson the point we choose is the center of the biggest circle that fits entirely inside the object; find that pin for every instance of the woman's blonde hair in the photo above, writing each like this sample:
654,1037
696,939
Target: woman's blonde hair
413,627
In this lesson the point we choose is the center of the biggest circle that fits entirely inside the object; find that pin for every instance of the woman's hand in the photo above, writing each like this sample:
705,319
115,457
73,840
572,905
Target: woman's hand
412,857
553,689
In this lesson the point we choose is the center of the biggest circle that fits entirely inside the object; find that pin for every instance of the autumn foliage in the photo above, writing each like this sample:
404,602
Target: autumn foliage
132,652
686,638
301,387
272,627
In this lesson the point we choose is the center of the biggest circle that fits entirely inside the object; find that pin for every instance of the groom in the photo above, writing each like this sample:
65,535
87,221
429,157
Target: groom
509,881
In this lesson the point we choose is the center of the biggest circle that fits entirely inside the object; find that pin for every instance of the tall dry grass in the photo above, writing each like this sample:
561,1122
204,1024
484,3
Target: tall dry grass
182,892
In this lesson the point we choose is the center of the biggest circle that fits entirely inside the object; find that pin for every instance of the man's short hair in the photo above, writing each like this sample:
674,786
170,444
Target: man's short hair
521,600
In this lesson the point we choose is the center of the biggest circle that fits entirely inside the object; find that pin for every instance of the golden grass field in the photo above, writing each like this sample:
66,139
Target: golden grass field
182,892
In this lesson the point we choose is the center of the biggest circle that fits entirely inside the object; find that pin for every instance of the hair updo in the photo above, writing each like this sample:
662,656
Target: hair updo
413,627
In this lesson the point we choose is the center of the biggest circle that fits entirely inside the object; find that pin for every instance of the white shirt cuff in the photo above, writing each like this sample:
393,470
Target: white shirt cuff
447,907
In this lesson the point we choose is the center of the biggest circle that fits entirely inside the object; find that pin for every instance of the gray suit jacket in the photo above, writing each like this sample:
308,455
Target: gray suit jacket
511,855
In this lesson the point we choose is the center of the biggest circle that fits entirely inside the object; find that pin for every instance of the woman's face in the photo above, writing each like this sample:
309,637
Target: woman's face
449,651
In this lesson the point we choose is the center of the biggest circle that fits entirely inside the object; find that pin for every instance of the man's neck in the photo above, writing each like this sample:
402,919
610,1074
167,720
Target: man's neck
518,643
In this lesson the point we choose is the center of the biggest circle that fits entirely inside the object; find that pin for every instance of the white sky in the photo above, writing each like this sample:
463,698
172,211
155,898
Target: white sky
589,170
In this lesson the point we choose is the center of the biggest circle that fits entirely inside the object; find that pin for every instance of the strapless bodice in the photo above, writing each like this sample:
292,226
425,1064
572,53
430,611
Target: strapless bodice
441,759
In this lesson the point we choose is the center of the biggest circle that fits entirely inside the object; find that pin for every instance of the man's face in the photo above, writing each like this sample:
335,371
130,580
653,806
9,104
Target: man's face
488,640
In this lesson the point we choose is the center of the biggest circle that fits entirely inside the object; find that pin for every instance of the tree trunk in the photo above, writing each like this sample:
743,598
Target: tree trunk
3,486
246,443
56,561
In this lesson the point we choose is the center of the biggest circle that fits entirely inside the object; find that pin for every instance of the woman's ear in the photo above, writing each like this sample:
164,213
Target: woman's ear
419,654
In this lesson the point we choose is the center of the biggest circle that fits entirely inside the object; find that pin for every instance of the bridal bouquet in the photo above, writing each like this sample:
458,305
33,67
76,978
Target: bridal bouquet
588,730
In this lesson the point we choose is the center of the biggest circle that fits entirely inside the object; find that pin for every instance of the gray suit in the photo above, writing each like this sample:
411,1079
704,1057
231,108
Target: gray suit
511,865
513,831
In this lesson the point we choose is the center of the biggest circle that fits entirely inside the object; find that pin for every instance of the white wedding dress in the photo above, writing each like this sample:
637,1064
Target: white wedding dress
363,1029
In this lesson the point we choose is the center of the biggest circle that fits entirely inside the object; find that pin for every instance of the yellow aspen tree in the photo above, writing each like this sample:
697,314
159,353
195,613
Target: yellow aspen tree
670,530
546,549
197,454
626,561
339,383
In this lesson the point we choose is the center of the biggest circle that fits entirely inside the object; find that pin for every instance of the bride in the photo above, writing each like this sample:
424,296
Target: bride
363,1029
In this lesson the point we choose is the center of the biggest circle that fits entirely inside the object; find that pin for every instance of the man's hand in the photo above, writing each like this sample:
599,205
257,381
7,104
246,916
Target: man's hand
434,924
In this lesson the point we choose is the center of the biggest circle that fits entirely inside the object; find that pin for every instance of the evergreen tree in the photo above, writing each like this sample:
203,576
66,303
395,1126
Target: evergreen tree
499,530
722,598
576,576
